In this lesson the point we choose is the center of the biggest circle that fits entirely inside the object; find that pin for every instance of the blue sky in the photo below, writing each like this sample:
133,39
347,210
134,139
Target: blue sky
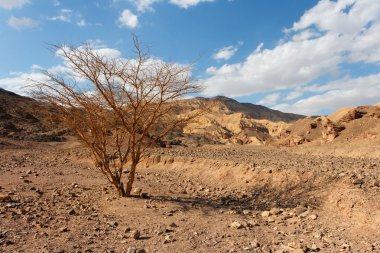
309,57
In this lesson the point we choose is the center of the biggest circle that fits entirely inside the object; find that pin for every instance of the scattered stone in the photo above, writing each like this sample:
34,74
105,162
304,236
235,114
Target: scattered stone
265,214
313,216
173,225
5,197
236,225
131,250
71,212
275,211
255,244
299,210
135,234
63,229
168,239
358,181
137,191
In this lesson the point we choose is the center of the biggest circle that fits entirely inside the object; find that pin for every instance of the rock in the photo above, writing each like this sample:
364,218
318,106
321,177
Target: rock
295,245
237,225
253,223
137,191
131,250
72,212
168,239
246,212
63,229
140,251
255,244
265,214
275,211
314,248
5,198
135,234
299,210
358,181
173,225
313,217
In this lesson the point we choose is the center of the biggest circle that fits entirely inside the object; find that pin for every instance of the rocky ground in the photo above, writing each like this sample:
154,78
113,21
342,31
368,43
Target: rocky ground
209,199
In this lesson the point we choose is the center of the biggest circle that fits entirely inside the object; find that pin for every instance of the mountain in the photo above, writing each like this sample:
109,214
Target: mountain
227,121
251,110
27,119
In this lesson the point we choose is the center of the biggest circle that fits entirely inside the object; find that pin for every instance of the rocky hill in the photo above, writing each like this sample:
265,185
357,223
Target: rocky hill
224,121
353,126
227,121
26,119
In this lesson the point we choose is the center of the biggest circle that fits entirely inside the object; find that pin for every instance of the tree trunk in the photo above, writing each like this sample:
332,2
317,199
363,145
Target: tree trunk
131,179
120,188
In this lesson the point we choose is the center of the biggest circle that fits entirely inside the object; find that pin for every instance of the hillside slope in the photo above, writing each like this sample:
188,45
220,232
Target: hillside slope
229,122
26,119
355,126
225,121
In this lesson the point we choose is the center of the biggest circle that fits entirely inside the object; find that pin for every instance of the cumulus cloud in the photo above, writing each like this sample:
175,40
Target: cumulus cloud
225,53
11,4
21,23
64,16
335,95
326,37
18,82
188,3
128,19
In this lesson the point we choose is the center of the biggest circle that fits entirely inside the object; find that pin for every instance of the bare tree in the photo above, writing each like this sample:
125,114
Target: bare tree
117,107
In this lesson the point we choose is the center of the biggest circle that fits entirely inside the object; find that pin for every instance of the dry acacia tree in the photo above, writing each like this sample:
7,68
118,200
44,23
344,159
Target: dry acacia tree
117,107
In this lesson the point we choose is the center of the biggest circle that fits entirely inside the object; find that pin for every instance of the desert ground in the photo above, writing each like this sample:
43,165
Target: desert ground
220,198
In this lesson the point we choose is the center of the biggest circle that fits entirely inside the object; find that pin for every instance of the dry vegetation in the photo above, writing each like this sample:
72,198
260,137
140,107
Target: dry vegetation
119,107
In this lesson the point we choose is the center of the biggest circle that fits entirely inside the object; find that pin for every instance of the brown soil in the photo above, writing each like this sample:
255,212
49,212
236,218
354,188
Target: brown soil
209,199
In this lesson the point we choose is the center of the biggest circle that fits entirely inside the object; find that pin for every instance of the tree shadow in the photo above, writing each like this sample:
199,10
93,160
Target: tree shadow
256,198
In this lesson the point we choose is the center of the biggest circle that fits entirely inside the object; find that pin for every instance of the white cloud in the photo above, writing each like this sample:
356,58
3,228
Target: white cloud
19,82
21,23
144,5
64,16
11,4
270,99
225,53
294,95
337,94
188,3
128,19
211,70
81,23
147,5
325,37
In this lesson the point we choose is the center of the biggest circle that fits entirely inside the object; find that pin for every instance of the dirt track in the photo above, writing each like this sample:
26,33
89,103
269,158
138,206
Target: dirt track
211,199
